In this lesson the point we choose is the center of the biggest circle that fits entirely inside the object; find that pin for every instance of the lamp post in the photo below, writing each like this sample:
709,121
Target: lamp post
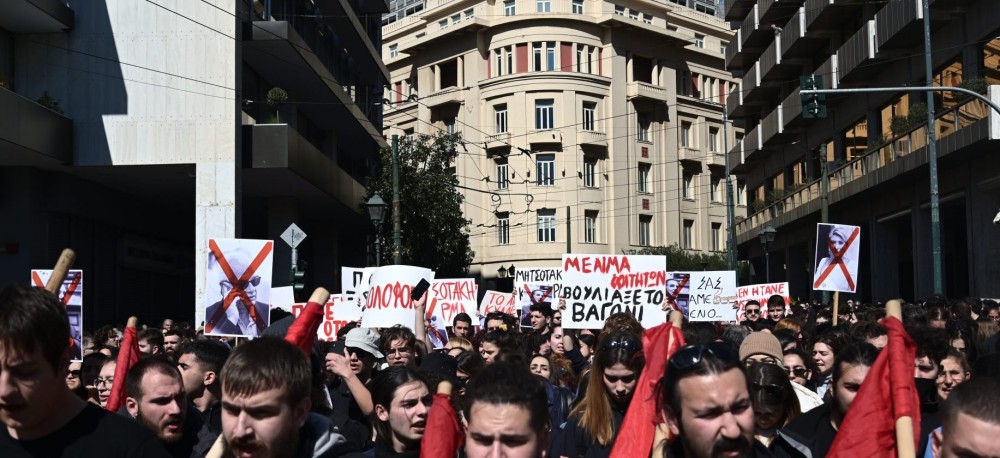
502,272
766,237
376,211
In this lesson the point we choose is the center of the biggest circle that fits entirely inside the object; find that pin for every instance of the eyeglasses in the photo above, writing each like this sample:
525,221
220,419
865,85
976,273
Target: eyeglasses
627,345
243,285
73,374
398,351
102,381
753,311
797,371
691,355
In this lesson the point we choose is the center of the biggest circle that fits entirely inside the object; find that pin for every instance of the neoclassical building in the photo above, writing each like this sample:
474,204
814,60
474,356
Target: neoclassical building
591,126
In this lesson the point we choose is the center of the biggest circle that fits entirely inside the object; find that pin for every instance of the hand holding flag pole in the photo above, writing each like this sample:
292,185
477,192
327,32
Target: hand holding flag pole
128,356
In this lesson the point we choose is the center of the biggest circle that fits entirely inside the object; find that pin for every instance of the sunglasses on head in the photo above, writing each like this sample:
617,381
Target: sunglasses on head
628,345
691,355
243,285
495,315
768,388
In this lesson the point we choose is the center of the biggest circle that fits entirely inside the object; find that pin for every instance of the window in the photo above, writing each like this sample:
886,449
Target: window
645,221
722,46
687,186
443,24
716,236
550,55
707,9
536,54
503,228
685,135
583,59
643,128
590,226
699,40
577,6
619,10
633,14
588,115
741,189
644,169
589,172
510,59
713,139
739,140
509,8
498,57
647,18
503,180
714,189
688,234
500,117
469,14
546,225
545,165
544,114
393,50
449,126
543,6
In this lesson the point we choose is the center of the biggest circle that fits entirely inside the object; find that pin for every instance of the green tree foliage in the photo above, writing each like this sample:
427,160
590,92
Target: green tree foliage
434,231
681,260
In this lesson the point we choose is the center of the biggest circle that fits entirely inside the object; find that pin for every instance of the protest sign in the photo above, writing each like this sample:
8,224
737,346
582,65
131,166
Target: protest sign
332,321
71,296
495,301
283,298
712,296
354,284
597,286
389,301
449,297
837,248
242,270
677,292
536,286
760,293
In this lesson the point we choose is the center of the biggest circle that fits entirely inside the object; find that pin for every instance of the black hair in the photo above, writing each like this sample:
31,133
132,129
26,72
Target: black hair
133,379
669,398
152,336
33,317
733,336
503,383
858,353
383,388
210,354
463,317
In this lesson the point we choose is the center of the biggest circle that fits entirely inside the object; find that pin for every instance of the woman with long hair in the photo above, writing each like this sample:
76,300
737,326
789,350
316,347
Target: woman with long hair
596,420
402,402
824,352
773,398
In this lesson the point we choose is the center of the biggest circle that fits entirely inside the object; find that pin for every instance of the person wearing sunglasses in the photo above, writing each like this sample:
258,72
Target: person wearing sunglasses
751,312
774,401
596,421
239,318
705,399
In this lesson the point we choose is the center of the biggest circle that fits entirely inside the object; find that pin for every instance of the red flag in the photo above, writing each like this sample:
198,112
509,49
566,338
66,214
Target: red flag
442,435
302,332
128,356
636,435
888,393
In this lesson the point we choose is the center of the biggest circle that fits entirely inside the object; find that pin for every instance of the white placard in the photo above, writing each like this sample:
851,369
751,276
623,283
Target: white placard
712,296
449,297
837,249
597,286
389,301
239,287
760,293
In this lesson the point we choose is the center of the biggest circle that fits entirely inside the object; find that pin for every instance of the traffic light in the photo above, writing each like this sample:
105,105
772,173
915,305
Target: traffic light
813,105
299,279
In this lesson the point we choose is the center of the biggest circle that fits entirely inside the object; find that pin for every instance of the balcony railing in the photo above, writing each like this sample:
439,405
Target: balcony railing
446,95
947,123
894,18
794,30
501,140
772,125
770,58
858,50
545,136
592,138
645,90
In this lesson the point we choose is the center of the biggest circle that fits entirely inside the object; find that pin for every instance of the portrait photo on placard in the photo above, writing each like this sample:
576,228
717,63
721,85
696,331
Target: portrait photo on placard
837,249
238,287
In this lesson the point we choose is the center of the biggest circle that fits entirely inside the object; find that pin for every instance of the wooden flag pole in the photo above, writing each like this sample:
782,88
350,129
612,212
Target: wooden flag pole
836,307
60,270
676,318
904,425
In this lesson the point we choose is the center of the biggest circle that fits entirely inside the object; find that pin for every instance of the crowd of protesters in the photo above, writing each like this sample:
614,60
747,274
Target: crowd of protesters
779,383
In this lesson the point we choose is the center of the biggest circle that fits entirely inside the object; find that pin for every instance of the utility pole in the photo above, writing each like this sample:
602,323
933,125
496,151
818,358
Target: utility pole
932,158
569,232
730,211
824,199
397,257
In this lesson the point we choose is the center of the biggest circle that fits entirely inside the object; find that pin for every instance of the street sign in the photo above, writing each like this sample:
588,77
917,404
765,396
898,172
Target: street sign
293,236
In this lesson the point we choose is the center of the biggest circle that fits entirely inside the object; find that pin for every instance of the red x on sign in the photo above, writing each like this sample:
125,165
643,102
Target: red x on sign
838,260
531,295
238,288
73,285
672,296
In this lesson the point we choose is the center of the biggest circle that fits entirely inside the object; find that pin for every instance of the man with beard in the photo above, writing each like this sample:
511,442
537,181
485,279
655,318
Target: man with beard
156,399
812,433
507,411
200,363
706,403
172,342
150,341
266,386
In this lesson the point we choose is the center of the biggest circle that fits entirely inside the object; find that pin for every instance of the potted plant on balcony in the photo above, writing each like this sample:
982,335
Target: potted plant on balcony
50,102
275,97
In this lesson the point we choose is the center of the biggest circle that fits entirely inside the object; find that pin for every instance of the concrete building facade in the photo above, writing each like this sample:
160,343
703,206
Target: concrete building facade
590,126
135,131
874,145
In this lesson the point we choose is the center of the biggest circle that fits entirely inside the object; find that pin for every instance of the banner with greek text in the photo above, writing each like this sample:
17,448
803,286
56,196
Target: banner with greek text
760,293
536,286
333,317
389,301
712,296
495,301
597,286
449,297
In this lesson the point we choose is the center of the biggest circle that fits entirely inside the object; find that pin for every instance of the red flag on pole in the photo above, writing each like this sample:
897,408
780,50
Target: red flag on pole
442,435
128,356
887,395
639,426
302,332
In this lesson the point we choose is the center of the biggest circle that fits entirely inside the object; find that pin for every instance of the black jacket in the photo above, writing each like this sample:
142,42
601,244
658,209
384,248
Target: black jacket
808,436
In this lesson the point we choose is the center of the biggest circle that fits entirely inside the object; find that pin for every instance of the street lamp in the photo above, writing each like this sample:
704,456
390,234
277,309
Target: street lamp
510,270
766,237
376,211
502,272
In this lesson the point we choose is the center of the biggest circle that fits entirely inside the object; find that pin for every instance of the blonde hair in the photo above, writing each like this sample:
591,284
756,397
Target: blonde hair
460,342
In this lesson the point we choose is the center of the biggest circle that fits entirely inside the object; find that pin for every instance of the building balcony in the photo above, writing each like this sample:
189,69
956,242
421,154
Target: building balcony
772,127
445,96
592,138
276,156
777,11
31,134
774,69
752,35
738,9
830,14
547,136
36,16
736,58
639,89
743,152
857,57
752,91
971,123
363,47
498,142
715,159
734,103
791,110
690,154
899,24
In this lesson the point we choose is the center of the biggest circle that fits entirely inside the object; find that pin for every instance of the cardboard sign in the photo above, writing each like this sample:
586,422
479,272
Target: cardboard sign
71,296
239,287
283,298
536,286
449,297
597,286
760,293
354,284
837,250
389,301
712,296
332,322
495,301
